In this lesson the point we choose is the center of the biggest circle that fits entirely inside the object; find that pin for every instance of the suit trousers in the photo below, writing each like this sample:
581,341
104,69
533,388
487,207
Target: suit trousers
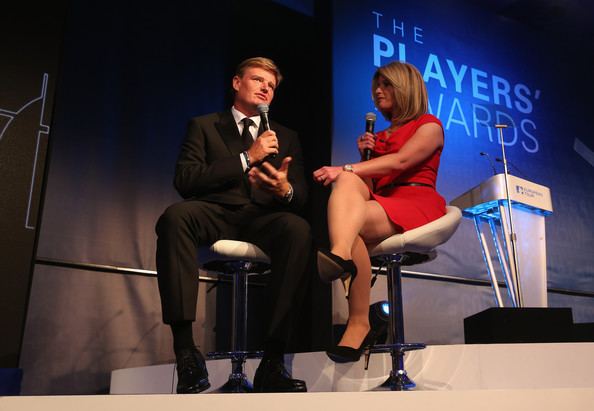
284,236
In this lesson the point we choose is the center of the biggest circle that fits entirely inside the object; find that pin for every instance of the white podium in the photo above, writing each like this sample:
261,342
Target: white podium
522,251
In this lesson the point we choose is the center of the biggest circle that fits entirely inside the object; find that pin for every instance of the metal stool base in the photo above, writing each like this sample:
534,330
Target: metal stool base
398,379
237,383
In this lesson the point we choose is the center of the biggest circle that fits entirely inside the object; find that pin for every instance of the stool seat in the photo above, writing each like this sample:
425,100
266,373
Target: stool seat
411,247
423,239
239,259
239,250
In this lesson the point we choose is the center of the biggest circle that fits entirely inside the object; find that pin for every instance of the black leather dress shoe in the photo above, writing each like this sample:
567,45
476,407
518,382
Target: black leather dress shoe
271,376
192,376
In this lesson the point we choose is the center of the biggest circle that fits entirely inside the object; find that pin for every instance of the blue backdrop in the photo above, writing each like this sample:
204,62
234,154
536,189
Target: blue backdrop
480,69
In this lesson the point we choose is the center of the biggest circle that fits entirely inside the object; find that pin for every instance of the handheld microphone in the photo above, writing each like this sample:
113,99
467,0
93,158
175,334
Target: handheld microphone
263,110
369,126
482,153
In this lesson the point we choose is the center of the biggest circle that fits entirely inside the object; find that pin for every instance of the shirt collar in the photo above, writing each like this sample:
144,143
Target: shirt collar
238,116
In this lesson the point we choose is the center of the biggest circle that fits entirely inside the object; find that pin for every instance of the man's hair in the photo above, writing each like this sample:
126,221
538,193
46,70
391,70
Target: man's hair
261,62
410,94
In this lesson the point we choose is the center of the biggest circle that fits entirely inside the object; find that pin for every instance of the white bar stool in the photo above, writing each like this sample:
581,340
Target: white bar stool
237,259
409,248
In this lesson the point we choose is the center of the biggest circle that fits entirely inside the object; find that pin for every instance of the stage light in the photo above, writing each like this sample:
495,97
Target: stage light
378,320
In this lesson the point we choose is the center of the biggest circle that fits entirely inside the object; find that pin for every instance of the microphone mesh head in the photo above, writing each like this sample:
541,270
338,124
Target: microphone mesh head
370,116
262,108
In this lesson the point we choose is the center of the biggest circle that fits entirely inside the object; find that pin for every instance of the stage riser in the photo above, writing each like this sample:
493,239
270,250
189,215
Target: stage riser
436,368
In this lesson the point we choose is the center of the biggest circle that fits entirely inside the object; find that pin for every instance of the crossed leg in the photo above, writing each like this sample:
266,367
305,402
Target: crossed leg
355,219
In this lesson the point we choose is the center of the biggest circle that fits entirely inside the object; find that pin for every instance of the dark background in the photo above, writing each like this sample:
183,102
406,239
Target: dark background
28,71
131,75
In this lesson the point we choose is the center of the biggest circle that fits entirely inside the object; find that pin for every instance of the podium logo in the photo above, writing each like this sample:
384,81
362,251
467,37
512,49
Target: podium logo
527,192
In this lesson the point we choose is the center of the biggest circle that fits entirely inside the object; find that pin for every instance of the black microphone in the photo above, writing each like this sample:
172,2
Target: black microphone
263,110
369,125
482,153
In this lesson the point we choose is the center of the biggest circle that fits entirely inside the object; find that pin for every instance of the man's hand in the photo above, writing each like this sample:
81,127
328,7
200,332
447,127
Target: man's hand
265,145
271,180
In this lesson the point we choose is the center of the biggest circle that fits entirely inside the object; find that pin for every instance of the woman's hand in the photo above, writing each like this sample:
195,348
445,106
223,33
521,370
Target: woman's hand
326,175
365,141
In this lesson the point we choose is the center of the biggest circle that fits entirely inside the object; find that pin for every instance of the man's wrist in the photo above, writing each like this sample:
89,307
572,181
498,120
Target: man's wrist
288,196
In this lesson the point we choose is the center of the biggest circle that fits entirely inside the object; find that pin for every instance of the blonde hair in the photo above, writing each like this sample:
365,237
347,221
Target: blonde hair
261,62
409,95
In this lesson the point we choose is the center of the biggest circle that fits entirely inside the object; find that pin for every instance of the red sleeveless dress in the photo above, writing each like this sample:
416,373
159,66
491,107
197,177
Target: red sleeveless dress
409,206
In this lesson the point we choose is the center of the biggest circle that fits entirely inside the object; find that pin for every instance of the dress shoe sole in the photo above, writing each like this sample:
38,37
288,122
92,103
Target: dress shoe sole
202,386
340,359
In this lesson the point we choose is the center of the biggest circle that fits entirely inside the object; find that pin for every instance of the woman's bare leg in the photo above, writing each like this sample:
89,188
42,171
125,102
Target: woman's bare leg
353,220
346,213
358,325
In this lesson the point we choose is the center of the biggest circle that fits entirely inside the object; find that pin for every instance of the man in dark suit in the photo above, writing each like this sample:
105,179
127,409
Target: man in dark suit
239,182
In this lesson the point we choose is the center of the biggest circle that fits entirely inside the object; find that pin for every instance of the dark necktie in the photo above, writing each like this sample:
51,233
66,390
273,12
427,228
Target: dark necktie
246,136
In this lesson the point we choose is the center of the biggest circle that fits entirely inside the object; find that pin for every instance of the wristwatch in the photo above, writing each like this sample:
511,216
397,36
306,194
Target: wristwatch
288,195
246,158
348,167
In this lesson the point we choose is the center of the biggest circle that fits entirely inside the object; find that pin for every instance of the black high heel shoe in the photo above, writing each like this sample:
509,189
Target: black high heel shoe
344,354
332,267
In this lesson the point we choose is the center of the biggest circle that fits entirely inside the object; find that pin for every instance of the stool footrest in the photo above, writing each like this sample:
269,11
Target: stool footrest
402,347
238,355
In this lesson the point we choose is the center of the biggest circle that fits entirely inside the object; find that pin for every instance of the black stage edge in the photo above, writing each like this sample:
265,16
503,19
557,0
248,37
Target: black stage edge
525,325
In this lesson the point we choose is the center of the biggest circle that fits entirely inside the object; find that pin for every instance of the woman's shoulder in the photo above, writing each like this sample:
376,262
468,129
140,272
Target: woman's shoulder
427,118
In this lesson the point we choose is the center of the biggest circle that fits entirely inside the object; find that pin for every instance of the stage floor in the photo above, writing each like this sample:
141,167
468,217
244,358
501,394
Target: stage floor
488,377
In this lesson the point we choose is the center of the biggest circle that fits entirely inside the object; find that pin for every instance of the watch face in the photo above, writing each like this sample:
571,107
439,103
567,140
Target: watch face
289,194
348,167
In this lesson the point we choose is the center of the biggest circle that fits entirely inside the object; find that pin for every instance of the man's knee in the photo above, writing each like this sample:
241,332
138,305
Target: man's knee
296,227
173,217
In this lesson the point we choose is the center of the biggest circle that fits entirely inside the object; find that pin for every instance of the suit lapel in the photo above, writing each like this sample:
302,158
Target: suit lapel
229,132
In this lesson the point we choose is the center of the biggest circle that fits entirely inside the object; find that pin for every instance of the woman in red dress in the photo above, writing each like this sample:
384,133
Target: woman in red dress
391,193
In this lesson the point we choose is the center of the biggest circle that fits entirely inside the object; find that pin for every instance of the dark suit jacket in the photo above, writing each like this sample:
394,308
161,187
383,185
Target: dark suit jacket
209,165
